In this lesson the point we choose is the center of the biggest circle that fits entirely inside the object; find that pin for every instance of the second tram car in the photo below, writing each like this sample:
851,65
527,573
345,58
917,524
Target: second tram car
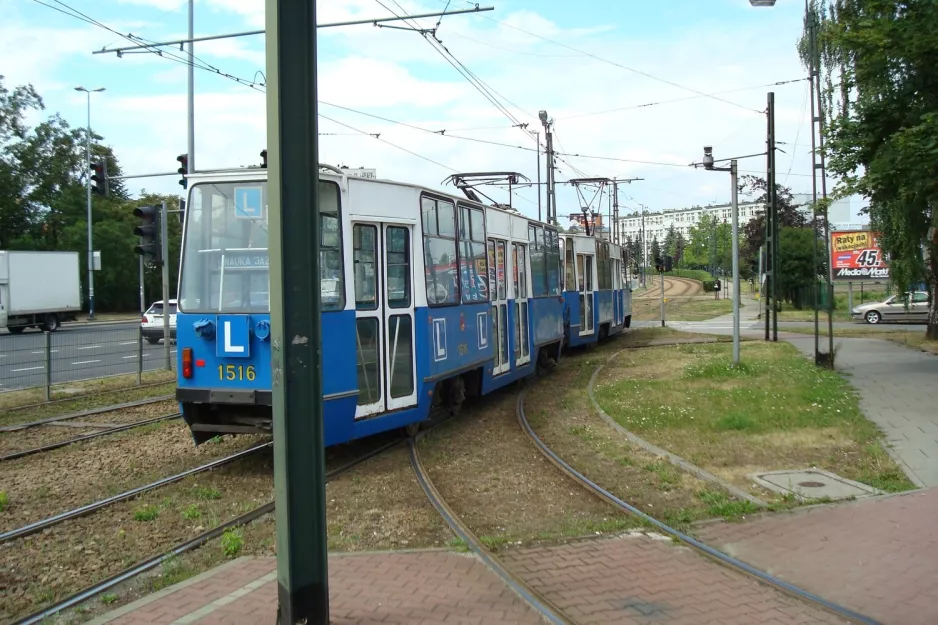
426,298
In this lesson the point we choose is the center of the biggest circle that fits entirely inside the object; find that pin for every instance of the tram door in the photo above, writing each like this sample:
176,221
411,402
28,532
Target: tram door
584,267
522,342
384,317
619,316
498,258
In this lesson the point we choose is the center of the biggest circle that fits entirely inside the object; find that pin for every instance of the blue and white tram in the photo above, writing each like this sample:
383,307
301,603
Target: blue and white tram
597,298
402,332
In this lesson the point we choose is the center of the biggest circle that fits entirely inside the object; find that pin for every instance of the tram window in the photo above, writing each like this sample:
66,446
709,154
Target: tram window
500,259
397,246
400,344
439,251
538,261
522,290
474,275
553,262
369,376
570,277
364,257
491,254
330,252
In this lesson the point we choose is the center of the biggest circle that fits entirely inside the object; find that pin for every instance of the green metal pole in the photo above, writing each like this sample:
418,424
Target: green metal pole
294,234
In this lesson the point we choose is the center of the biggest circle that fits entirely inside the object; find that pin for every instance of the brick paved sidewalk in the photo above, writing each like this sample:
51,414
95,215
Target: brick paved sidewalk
631,580
877,556
424,588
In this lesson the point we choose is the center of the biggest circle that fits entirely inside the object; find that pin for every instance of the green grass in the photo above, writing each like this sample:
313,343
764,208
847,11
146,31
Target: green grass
699,309
775,410
146,513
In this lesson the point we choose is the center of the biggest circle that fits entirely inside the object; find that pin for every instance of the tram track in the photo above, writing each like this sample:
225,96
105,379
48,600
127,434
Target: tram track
190,544
698,546
74,513
87,437
15,427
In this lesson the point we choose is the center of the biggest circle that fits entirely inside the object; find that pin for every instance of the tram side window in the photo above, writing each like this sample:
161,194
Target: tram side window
553,262
364,257
474,275
570,281
602,254
439,251
331,287
538,261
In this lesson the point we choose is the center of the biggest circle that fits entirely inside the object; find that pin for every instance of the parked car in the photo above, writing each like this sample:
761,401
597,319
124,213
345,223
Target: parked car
152,324
908,307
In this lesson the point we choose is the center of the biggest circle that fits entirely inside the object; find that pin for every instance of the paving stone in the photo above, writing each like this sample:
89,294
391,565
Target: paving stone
876,556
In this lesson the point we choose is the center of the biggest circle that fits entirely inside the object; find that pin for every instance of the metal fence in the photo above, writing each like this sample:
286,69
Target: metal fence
47,359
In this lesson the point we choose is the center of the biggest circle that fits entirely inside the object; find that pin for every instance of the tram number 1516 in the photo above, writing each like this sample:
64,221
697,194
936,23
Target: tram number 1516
236,372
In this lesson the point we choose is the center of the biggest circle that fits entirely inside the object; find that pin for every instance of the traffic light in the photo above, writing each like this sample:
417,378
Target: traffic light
264,158
659,264
668,263
99,178
149,233
183,170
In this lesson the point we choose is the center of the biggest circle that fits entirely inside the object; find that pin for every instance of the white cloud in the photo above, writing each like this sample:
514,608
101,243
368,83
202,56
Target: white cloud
396,75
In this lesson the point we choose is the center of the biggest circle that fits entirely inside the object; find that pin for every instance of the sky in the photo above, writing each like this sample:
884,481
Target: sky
635,88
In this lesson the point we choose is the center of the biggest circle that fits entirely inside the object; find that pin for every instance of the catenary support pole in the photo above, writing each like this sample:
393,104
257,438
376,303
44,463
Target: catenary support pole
773,205
295,312
164,244
539,216
735,196
190,129
661,277
88,192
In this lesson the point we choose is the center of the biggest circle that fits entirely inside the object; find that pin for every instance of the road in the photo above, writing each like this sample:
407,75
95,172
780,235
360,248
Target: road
78,352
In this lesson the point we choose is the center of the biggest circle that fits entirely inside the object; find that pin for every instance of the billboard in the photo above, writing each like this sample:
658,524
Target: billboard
856,257
596,221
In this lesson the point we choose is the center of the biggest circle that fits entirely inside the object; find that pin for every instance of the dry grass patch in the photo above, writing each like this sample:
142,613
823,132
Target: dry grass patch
503,488
775,411
559,410
377,505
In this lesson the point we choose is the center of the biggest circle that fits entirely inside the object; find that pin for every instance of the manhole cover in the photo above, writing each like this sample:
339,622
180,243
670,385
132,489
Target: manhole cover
808,484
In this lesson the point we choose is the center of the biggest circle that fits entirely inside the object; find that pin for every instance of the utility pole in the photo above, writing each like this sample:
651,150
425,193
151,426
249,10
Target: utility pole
295,313
88,93
164,243
538,135
615,211
644,247
734,173
771,226
817,116
190,130
551,196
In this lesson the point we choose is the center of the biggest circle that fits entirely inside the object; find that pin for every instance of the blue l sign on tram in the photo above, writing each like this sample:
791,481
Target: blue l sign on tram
248,202
234,337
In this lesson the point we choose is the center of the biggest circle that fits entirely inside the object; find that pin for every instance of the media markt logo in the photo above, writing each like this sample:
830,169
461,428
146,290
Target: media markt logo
863,272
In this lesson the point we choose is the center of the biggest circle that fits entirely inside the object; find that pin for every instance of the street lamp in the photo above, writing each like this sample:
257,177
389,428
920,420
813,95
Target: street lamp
708,165
88,190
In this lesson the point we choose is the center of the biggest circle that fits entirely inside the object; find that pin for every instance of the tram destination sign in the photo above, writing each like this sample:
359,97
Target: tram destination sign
857,257
244,260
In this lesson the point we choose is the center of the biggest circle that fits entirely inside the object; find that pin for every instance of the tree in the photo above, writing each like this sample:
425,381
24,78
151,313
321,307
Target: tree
655,251
679,244
790,215
796,266
882,137
669,240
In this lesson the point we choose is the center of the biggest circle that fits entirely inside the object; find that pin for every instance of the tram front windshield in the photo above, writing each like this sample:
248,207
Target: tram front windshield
225,260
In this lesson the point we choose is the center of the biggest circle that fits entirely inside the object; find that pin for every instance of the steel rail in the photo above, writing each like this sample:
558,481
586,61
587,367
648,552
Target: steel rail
75,397
717,555
85,413
79,439
32,528
193,543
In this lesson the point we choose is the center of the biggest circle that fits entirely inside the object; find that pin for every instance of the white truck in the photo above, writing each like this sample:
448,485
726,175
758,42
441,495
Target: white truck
38,290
